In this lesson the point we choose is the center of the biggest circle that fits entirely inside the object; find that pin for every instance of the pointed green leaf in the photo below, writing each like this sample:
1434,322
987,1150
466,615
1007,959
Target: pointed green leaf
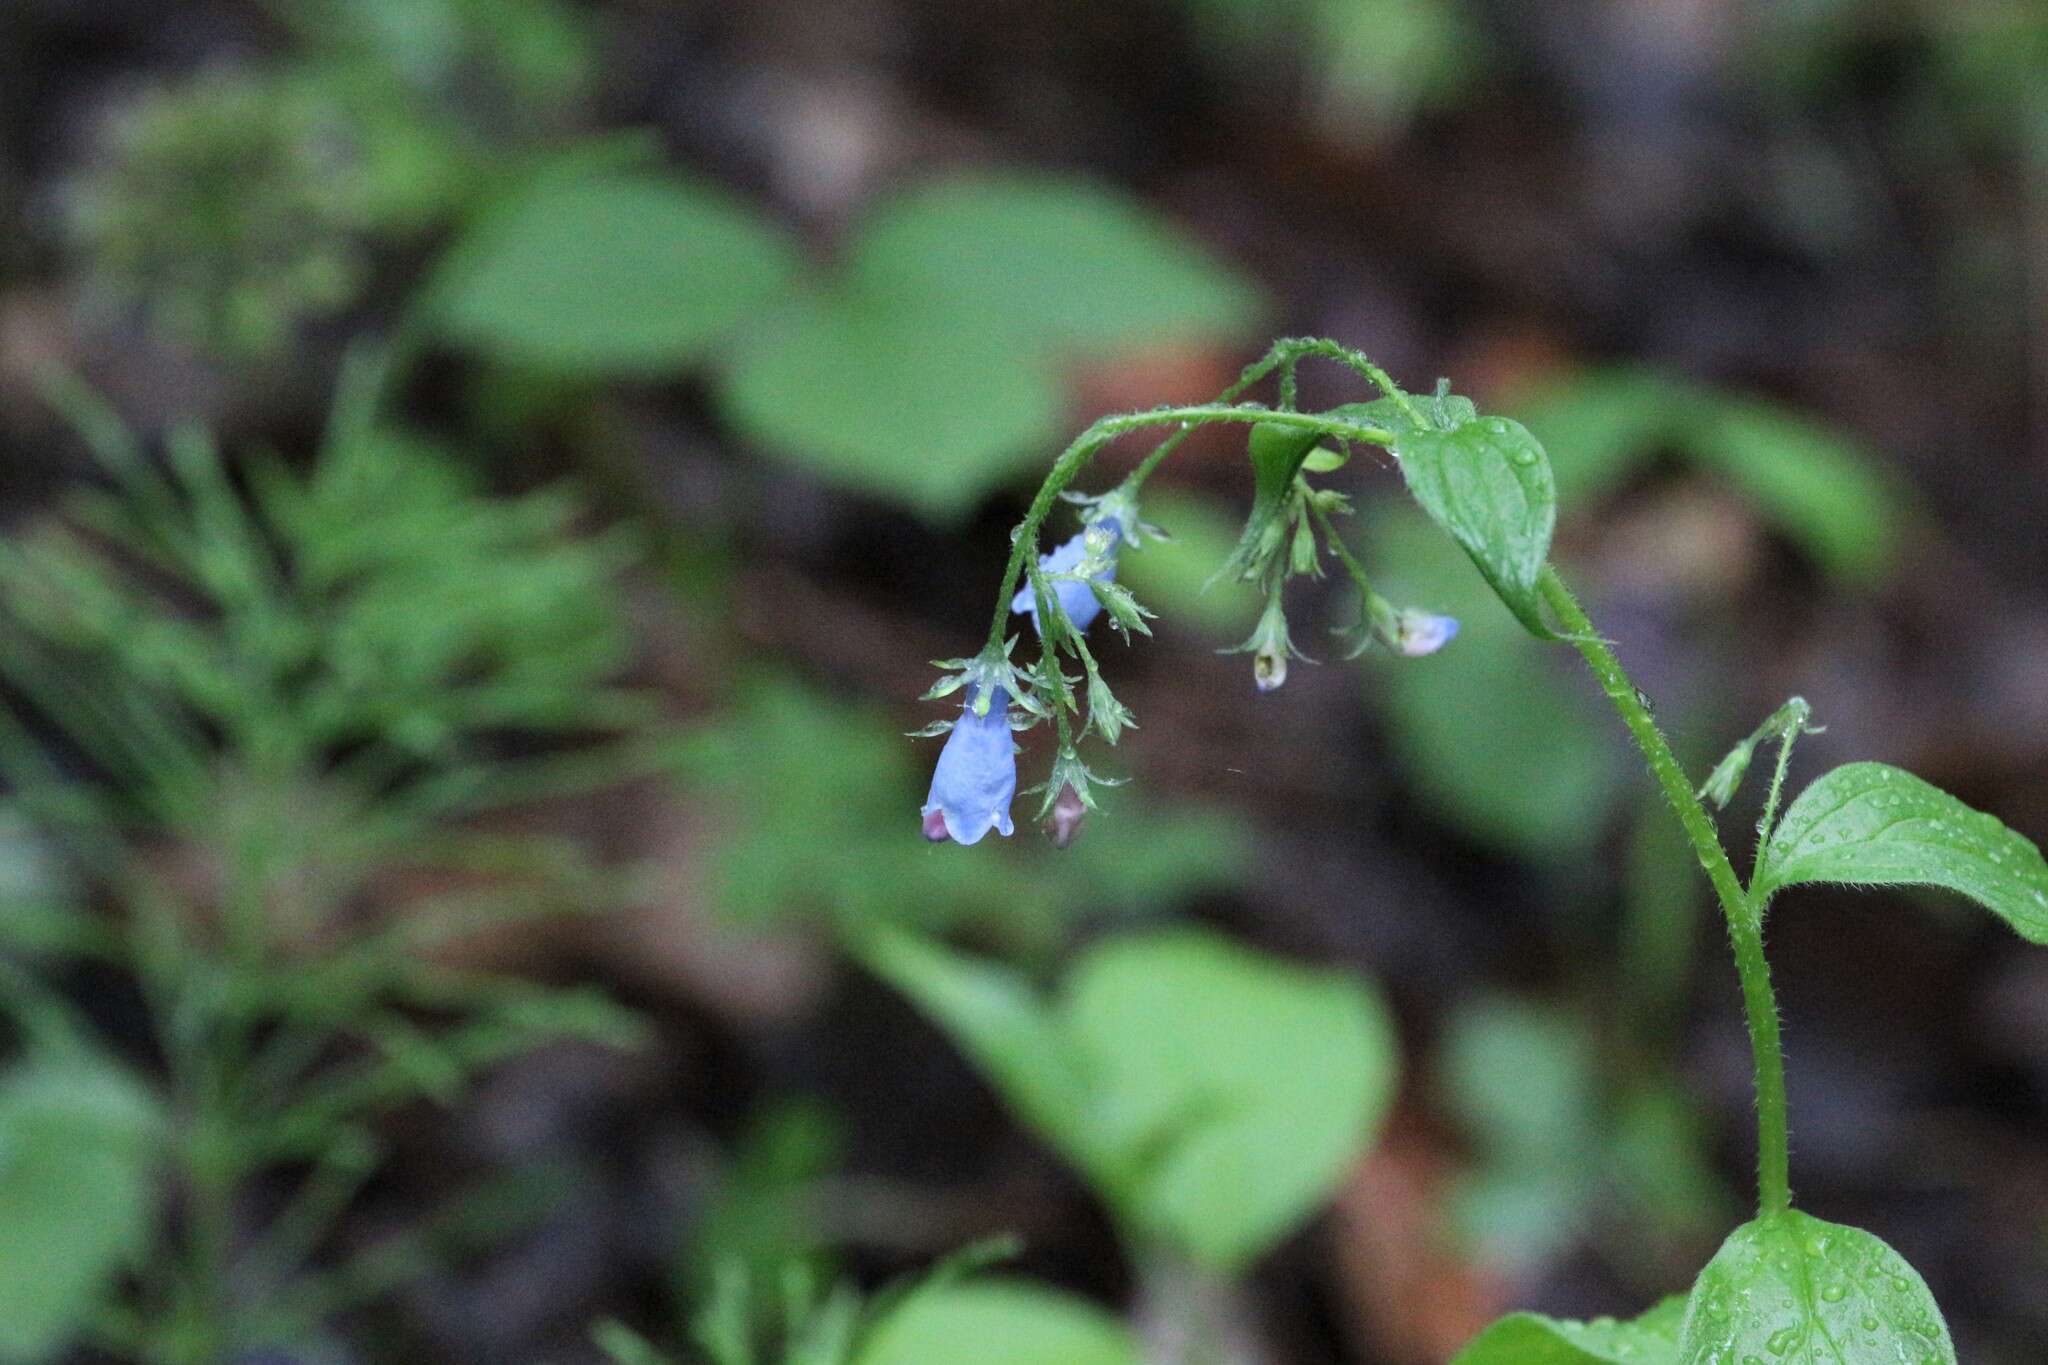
1155,1074
1488,483
1532,1339
1220,1150
996,1018
1791,1287
1873,824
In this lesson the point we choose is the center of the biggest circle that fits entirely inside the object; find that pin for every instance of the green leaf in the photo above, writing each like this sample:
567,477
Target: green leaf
610,274
77,1137
1532,1339
1219,1149
998,1322
1873,824
1155,1075
1003,1026
1277,453
1791,1287
894,400
1041,261
1489,485
1809,480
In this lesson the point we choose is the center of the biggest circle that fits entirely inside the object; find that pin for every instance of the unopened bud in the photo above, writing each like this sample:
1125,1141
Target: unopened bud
1417,633
1269,667
1063,826
935,826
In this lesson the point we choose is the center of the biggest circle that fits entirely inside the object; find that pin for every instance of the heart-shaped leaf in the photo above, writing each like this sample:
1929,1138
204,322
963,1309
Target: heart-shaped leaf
611,274
1873,824
1488,483
1791,1287
1532,1339
1214,1095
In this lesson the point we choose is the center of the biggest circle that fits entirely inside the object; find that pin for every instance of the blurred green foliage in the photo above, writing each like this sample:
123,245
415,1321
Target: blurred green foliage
1810,482
810,807
1367,66
1152,1070
610,274
233,206
796,1319
78,1148
228,209
253,706
923,370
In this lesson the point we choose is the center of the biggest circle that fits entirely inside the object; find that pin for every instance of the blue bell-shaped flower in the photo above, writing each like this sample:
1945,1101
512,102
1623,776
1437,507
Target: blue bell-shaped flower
976,776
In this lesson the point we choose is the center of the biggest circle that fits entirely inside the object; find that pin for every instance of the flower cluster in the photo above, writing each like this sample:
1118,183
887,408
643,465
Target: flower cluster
1291,527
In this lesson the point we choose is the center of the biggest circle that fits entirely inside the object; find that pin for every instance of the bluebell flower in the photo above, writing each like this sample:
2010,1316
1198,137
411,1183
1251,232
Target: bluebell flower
1417,633
1076,597
976,775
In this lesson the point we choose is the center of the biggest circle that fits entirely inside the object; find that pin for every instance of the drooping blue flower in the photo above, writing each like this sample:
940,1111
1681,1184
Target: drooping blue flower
976,776
1417,632
1075,596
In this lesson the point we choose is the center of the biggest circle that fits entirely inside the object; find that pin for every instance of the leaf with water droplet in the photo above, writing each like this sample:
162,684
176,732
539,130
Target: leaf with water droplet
1817,1292
1873,824
1488,483
1532,1339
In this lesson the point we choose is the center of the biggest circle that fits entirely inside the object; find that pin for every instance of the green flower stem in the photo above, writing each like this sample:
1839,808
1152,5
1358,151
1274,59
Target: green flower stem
1284,356
1745,935
1777,790
1076,456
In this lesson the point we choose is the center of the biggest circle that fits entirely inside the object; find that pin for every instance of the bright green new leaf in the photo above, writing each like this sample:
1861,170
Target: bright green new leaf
1873,824
1214,1095
998,1322
1791,1287
1234,1089
610,274
1532,1339
76,1140
1047,263
1488,483
893,400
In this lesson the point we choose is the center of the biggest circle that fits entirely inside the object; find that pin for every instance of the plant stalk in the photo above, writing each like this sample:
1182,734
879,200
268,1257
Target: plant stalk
1745,933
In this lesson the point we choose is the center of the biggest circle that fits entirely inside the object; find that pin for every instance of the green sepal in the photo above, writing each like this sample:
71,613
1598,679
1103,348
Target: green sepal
1126,613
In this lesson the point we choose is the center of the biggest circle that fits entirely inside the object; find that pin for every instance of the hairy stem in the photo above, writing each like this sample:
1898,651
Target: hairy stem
1076,456
1774,1191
